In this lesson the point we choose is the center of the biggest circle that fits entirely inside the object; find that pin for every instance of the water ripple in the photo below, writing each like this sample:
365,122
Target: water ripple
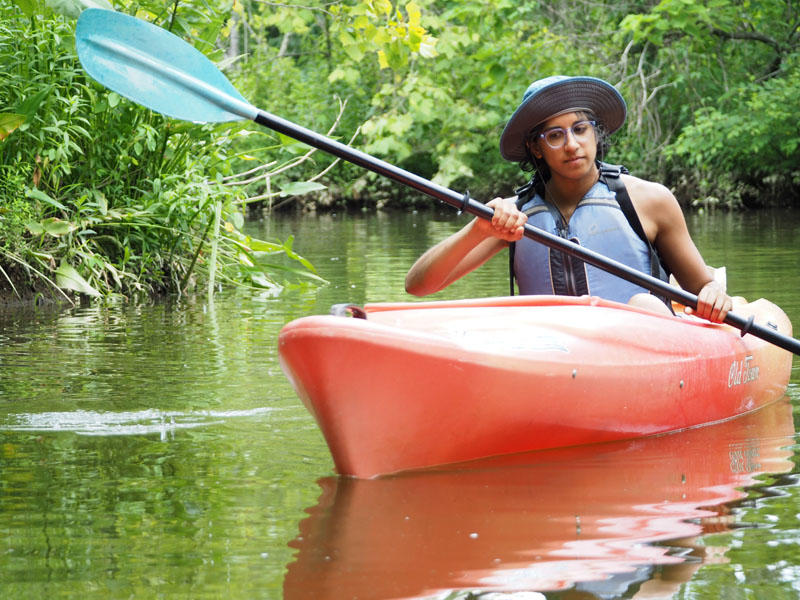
141,422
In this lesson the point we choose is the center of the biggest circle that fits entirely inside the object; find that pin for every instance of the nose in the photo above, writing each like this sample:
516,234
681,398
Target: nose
570,140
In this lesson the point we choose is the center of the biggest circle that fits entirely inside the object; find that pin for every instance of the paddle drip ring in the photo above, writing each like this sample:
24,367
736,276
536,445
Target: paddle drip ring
748,325
464,203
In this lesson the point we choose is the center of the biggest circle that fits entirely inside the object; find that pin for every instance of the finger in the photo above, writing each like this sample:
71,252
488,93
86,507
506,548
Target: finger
508,220
720,309
726,307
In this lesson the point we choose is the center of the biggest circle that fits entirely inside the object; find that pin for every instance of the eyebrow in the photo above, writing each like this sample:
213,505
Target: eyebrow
568,126
580,115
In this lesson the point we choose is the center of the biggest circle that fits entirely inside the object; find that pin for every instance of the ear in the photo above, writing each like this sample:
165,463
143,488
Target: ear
534,147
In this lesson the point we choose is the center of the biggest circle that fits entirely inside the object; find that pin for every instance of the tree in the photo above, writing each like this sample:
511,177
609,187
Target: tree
726,75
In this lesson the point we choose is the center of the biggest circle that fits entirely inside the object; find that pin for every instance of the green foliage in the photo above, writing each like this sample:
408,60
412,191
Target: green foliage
378,27
441,115
133,201
720,81
104,196
728,136
14,217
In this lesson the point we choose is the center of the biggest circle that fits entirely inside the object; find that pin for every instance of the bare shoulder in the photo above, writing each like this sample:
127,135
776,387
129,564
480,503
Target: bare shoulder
656,205
647,191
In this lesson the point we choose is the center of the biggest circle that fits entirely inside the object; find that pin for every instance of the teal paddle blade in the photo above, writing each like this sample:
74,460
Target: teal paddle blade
155,68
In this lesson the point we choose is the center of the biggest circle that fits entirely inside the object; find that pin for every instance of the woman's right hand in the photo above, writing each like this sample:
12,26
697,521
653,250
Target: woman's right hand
508,222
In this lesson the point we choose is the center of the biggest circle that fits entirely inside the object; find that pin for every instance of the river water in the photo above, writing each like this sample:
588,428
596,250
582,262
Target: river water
157,451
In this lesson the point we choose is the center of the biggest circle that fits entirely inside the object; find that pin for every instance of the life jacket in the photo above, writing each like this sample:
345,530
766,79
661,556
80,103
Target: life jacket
604,221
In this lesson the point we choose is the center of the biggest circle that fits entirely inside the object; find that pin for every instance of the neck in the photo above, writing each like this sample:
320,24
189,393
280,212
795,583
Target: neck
565,192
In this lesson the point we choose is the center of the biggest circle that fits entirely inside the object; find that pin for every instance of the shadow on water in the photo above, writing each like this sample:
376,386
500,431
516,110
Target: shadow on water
602,521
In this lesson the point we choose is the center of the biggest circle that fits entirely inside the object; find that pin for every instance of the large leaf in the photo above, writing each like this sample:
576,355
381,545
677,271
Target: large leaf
73,8
40,195
68,278
8,123
298,188
54,226
30,104
28,7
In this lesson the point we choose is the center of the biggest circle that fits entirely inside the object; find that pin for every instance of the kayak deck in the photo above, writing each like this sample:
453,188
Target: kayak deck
414,385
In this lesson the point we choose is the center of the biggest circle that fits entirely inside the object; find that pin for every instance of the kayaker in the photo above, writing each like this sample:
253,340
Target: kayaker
560,132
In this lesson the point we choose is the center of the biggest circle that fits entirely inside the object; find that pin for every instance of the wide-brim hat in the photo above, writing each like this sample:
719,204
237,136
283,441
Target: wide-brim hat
556,95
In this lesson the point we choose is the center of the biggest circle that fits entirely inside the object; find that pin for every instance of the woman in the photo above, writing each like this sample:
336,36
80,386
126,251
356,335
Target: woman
560,129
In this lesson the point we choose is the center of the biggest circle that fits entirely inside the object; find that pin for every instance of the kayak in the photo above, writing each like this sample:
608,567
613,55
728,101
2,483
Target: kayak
410,385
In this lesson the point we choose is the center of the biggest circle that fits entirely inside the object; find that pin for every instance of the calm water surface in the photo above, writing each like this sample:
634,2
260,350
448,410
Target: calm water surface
157,451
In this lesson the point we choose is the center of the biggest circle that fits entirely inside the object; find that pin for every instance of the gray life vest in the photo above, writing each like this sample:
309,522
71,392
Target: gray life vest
604,221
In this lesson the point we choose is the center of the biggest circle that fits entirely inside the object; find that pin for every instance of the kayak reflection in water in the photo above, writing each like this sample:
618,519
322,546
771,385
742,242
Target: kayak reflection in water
560,132
598,521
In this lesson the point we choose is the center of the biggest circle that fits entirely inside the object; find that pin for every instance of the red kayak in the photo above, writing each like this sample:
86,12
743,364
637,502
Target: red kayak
411,385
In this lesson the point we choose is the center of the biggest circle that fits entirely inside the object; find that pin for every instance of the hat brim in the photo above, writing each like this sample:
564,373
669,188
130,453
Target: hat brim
578,93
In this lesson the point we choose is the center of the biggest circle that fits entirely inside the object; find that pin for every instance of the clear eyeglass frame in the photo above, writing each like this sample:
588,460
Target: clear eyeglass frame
556,137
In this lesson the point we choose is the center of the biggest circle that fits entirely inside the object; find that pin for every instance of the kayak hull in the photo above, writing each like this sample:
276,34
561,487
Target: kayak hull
415,385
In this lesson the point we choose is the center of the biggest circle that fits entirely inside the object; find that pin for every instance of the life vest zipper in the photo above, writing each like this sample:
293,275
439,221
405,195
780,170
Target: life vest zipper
569,271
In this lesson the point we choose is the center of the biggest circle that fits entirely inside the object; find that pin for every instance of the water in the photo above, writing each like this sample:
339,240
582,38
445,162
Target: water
157,451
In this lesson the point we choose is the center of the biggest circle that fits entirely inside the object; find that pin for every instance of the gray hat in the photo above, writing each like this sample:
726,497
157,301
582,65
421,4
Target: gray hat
556,95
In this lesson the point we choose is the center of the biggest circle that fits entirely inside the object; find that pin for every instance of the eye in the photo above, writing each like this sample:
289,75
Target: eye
581,128
554,137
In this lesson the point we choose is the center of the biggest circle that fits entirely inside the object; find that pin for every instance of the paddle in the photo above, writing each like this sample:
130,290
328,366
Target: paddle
158,70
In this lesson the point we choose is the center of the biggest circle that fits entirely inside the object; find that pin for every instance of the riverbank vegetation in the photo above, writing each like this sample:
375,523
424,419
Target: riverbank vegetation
100,196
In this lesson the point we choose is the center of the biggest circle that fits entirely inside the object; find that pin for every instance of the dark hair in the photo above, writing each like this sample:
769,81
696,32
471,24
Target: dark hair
539,166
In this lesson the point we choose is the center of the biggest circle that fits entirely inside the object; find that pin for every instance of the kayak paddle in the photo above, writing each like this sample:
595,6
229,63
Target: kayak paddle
160,71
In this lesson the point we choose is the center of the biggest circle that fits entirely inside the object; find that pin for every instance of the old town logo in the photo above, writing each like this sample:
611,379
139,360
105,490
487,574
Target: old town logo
742,371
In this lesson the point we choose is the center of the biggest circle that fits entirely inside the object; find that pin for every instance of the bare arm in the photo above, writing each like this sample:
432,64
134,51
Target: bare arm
466,250
665,225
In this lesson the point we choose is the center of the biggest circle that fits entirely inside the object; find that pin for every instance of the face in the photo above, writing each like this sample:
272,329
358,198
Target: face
576,156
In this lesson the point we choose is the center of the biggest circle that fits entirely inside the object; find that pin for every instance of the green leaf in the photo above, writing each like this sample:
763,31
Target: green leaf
57,227
34,228
73,8
264,247
30,105
28,7
414,14
40,195
427,49
237,219
68,278
260,279
354,52
69,8
347,74
298,188
383,6
8,123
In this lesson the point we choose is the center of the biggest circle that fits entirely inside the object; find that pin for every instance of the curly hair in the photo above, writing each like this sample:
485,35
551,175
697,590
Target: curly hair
539,166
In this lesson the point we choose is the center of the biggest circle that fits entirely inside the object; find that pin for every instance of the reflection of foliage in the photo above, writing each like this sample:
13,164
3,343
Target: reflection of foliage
758,557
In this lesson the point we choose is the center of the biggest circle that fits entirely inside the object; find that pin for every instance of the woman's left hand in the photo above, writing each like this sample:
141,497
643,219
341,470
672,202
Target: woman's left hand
713,303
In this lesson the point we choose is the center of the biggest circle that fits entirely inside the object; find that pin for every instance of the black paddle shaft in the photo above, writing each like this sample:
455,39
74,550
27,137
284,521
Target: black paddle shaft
464,203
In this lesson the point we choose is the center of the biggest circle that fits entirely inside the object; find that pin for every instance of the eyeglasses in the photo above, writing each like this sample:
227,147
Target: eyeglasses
557,136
